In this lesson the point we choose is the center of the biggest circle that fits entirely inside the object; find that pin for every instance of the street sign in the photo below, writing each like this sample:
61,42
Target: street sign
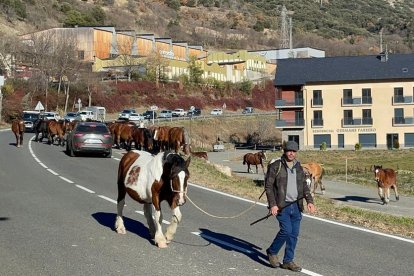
192,108
1,81
39,106
154,107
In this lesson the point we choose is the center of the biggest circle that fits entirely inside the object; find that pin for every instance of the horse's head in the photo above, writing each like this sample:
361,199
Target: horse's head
262,155
308,177
176,169
149,141
376,170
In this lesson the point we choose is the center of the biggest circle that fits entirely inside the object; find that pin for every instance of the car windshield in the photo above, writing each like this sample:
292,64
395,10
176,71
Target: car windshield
71,115
96,129
29,116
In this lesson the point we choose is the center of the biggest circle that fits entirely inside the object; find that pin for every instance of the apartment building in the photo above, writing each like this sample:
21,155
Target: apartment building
344,101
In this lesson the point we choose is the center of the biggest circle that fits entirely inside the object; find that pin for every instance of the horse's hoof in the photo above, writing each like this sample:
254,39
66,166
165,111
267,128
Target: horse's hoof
162,245
121,231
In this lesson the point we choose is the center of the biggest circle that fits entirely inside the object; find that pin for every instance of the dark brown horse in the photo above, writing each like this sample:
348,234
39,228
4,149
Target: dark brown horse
314,172
254,159
142,139
161,137
122,133
150,179
386,179
18,129
178,137
199,154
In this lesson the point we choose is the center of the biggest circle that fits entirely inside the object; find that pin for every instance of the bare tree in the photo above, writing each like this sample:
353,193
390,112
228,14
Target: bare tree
156,67
9,48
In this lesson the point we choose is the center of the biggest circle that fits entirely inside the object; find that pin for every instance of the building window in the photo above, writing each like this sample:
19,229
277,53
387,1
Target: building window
347,96
81,55
317,97
366,96
318,139
317,118
348,117
399,116
366,117
398,95
368,140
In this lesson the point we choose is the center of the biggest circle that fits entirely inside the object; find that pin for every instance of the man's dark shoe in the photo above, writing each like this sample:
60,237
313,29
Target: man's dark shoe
273,260
291,266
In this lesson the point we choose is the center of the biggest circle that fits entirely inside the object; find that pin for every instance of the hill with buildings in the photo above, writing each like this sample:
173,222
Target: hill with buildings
338,27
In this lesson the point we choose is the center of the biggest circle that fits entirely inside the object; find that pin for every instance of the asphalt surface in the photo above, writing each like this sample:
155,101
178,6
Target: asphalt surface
344,193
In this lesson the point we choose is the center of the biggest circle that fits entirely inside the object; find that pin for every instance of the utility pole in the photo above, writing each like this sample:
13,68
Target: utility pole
284,29
1,95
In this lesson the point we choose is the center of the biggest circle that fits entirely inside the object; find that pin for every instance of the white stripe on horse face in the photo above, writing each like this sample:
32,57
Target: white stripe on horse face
181,177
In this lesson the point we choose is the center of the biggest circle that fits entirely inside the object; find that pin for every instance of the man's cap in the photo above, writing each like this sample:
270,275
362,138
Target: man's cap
291,145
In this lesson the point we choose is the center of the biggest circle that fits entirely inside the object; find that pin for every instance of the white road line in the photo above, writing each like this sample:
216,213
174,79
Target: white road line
85,189
43,165
308,272
67,180
118,159
108,199
52,172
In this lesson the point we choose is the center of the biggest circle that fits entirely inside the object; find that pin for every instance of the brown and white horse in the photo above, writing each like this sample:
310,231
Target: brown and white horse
386,179
313,174
18,129
150,179
254,159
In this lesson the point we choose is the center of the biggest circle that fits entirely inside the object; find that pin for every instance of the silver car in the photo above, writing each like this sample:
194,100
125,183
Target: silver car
89,137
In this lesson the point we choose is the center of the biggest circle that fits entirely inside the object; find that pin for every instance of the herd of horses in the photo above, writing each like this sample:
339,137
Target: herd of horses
156,171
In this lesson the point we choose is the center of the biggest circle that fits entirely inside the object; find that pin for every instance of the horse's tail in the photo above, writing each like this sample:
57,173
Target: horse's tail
244,160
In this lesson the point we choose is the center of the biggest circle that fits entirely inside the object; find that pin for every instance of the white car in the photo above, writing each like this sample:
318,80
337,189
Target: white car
85,115
51,116
135,117
216,111
165,113
179,112
126,113
70,116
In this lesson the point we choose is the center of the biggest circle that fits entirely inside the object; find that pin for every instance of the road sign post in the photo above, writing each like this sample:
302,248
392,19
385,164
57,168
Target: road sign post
1,95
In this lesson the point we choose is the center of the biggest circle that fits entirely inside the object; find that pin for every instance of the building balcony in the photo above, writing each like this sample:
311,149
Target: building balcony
402,100
356,101
298,123
402,121
317,123
356,122
317,102
289,103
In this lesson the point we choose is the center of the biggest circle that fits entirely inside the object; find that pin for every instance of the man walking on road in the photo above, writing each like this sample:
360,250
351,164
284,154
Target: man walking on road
286,188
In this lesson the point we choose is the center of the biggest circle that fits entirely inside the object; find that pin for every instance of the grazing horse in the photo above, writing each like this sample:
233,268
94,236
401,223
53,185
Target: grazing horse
142,139
313,174
150,179
122,132
199,154
386,179
254,159
18,129
178,136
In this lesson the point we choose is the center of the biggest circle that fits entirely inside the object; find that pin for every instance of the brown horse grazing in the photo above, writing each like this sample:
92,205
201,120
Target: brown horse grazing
56,129
18,129
142,139
161,137
122,132
199,154
150,179
386,179
254,159
178,137
313,174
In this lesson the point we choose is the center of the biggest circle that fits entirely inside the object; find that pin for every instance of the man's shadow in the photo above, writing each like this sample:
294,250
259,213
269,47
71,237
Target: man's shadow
231,243
132,226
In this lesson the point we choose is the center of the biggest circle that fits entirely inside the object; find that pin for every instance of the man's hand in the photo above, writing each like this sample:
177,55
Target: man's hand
274,210
311,208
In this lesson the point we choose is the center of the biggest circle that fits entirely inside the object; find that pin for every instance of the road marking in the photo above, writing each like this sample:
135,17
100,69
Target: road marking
85,189
67,180
108,199
43,165
52,172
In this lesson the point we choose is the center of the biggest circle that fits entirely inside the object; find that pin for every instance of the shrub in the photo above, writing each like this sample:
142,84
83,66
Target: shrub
396,144
358,146
322,146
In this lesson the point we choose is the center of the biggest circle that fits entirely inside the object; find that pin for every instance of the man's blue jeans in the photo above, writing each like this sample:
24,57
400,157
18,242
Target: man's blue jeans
289,222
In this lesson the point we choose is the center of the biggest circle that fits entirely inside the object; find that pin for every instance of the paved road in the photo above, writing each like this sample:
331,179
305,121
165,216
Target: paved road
346,193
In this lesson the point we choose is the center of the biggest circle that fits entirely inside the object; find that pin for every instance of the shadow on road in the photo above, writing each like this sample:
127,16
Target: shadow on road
359,199
133,226
231,243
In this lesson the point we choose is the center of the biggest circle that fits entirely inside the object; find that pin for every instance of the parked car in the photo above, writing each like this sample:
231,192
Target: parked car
247,110
29,117
194,112
179,112
85,115
165,113
70,116
89,137
150,114
126,113
136,117
216,111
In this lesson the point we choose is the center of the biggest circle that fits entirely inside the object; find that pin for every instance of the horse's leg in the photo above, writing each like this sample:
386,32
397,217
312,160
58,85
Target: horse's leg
159,236
150,220
119,222
397,197
172,228
21,139
381,194
17,139
387,195
315,185
257,170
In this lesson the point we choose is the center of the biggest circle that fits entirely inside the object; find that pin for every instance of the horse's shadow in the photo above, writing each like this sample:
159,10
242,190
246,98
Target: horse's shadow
231,243
359,199
132,226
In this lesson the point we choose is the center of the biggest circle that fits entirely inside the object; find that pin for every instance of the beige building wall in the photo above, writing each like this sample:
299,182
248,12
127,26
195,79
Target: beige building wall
382,112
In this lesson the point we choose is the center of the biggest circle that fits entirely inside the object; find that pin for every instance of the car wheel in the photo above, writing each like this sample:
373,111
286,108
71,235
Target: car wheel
109,154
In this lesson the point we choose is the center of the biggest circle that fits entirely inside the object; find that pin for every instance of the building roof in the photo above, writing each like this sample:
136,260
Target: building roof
303,71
